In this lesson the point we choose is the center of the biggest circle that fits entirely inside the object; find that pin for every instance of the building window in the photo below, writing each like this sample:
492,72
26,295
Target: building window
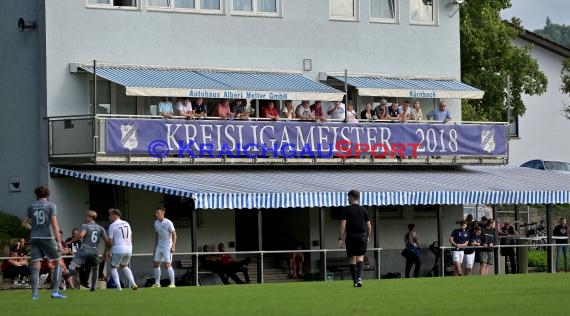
208,6
384,10
112,3
257,7
344,10
423,12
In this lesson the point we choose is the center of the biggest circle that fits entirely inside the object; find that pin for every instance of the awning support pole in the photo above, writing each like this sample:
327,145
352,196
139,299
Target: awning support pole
193,234
377,273
322,255
259,247
549,251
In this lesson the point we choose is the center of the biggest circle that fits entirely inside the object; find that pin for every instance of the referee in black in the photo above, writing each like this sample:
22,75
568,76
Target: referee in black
355,221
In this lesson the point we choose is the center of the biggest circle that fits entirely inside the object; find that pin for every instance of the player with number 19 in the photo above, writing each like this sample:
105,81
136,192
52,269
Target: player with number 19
41,219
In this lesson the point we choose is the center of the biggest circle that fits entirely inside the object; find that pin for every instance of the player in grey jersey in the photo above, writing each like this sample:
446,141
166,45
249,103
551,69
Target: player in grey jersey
41,219
91,234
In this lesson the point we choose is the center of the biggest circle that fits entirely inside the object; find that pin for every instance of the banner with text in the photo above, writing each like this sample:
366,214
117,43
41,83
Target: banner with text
210,138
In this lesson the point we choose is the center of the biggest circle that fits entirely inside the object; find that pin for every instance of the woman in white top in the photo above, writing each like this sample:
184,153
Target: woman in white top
288,111
416,114
351,116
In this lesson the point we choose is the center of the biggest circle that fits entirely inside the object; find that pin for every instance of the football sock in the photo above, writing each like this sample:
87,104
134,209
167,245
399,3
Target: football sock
94,274
359,269
157,275
115,275
353,272
129,275
171,274
35,280
56,276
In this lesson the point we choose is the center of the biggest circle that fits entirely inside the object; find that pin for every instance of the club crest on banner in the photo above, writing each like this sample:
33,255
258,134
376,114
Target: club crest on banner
129,136
488,140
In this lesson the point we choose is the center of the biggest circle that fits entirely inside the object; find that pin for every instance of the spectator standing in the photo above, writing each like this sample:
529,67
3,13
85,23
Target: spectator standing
269,111
184,108
200,109
416,113
355,222
471,251
440,114
561,233
165,108
508,233
488,241
368,113
336,110
381,111
459,239
411,240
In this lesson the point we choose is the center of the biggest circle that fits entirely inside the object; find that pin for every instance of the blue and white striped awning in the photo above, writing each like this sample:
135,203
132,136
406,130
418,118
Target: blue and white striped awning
204,83
216,188
412,88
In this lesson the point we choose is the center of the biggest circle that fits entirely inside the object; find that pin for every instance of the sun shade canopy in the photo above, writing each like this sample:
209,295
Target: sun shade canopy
249,188
212,83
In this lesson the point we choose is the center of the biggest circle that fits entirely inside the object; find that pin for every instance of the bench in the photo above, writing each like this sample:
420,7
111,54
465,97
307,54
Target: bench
340,265
188,276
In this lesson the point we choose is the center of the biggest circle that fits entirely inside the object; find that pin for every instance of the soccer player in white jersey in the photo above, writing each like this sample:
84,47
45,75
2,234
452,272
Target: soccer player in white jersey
164,246
121,237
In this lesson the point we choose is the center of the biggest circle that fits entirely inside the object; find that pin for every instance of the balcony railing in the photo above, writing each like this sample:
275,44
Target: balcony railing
129,139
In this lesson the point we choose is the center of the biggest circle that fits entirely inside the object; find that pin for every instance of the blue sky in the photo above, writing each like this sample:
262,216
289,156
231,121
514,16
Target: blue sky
533,13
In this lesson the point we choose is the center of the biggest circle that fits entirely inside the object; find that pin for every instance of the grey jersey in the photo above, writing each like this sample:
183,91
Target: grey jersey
39,215
93,234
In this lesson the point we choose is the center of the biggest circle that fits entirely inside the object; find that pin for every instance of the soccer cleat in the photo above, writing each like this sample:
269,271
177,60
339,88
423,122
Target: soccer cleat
92,290
135,287
155,285
171,286
358,282
57,295
35,297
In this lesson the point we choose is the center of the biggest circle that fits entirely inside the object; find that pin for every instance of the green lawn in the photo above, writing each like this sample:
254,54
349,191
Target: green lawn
529,294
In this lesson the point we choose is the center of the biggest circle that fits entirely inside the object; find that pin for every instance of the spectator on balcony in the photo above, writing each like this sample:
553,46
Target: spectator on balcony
200,109
417,114
238,109
368,113
440,114
184,108
405,112
165,108
269,111
351,116
394,111
381,112
317,111
223,110
288,110
303,111
336,110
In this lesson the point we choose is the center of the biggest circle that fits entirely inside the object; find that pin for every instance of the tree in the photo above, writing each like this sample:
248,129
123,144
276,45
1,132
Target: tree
555,32
488,56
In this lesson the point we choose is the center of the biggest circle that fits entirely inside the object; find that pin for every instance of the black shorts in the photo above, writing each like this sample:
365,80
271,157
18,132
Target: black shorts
356,247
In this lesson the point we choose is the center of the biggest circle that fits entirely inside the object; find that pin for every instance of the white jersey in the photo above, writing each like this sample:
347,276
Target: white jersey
164,232
122,236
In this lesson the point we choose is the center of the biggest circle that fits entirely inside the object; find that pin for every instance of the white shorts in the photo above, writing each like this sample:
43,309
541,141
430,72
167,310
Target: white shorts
469,260
457,256
162,254
118,259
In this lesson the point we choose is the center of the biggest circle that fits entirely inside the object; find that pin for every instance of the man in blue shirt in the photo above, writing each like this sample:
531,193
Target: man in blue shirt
459,239
165,108
441,114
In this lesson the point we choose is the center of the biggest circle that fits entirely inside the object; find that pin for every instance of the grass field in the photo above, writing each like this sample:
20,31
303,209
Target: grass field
528,294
